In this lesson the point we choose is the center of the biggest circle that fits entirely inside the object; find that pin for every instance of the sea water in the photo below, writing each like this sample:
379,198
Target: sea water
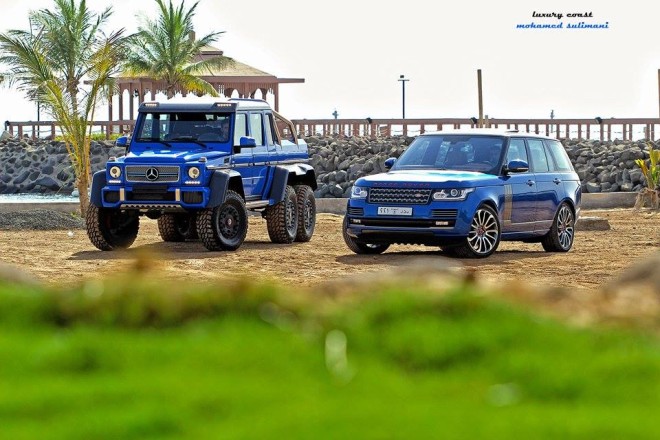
38,198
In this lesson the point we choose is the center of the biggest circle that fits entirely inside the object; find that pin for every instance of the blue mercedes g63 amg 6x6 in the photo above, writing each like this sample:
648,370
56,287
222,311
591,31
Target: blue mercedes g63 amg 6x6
198,167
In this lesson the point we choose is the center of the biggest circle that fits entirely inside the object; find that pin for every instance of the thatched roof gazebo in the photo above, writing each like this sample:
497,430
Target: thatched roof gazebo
240,78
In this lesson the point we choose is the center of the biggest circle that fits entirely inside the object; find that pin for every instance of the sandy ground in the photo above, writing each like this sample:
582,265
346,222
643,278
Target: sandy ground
597,256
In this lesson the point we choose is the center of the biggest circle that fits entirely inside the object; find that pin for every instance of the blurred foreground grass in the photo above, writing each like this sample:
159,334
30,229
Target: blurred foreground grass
136,358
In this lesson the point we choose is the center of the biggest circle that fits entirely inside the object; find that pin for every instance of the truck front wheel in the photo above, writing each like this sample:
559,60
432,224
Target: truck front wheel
224,227
178,227
111,229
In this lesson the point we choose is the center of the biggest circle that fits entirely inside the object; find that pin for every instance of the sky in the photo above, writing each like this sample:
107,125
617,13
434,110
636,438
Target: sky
351,54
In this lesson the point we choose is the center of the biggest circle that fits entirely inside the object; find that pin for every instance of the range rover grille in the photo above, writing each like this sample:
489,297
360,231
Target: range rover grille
399,196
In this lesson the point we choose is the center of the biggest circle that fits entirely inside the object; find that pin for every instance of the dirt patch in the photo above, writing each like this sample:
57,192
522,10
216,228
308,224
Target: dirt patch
67,256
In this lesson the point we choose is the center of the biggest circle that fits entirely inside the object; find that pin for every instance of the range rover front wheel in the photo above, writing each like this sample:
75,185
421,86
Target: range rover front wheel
484,235
360,247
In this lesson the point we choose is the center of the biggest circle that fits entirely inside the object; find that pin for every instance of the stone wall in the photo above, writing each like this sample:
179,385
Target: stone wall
28,166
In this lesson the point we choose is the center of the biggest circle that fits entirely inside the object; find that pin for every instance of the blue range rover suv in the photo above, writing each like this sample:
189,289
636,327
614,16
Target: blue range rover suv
465,191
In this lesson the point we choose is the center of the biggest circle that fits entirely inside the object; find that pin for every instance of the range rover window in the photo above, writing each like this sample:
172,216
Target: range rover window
517,151
559,156
453,152
539,159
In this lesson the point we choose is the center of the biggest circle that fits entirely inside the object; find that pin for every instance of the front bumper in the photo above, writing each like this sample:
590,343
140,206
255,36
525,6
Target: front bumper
154,197
434,223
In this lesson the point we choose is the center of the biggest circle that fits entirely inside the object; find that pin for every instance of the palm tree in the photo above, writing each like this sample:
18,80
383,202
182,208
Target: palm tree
164,50
50,65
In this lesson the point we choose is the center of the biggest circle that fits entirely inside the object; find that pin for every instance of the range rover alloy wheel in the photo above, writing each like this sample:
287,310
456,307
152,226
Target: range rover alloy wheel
111,229
484,235
360,247
562,232
224,227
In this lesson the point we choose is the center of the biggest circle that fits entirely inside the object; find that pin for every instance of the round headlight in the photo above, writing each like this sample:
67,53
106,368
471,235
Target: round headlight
193,172
115,172
453,192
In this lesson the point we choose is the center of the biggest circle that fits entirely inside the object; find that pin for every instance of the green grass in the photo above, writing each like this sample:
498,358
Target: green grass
134,359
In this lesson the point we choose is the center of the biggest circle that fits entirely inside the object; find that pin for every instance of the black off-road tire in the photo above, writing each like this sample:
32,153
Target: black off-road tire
561,235
306,212
111,229
282,218
178,227
360,247
224,227
484,236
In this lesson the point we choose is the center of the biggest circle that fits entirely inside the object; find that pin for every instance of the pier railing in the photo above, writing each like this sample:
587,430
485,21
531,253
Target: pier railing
603,129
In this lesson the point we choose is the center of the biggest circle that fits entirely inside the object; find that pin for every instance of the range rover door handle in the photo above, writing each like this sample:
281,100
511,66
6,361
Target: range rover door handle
530,182
557,181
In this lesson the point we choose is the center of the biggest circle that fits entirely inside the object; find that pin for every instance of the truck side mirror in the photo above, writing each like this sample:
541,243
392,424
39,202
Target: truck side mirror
122,141
245,142
389,162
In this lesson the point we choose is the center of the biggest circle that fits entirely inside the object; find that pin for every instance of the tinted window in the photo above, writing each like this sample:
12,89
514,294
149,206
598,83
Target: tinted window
537,152
457,152
185,127
517,151
256,127
240,128
559,156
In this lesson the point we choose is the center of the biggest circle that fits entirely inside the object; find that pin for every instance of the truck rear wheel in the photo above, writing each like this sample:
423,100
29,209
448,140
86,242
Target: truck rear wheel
178,227
111,229
224,227
282,218
306,212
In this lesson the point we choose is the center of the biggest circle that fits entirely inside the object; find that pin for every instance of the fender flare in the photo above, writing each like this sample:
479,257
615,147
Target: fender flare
219,185
281,176
99,181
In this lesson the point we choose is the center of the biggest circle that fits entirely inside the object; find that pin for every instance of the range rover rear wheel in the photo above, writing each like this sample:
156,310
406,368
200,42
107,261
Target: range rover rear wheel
484,235
111,229
178,227
282,218
562,232
360,247
224,227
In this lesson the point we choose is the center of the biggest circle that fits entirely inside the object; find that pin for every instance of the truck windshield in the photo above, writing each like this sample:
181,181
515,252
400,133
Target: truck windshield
185,127
453,152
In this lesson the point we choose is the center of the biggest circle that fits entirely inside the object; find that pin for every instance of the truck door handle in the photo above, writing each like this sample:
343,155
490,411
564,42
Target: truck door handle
530,182
557,181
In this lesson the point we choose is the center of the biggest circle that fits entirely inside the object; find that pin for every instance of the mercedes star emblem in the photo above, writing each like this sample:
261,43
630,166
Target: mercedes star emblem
151,174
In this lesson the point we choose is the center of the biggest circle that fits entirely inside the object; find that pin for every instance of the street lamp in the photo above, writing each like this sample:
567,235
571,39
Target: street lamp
403,80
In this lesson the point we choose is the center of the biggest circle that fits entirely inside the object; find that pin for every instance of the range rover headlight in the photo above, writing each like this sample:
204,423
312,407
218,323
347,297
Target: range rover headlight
193,172
452,194
115,172
358,192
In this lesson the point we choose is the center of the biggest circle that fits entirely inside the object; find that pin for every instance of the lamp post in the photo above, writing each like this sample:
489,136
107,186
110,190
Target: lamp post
403,80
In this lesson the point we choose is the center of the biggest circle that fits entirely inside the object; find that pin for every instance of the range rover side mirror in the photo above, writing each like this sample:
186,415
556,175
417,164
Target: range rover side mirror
389,162
516,166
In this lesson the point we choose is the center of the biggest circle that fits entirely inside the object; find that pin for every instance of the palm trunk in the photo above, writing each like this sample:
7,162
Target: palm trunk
83,185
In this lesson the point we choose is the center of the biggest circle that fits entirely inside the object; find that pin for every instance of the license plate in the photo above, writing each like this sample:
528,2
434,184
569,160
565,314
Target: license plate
390,210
